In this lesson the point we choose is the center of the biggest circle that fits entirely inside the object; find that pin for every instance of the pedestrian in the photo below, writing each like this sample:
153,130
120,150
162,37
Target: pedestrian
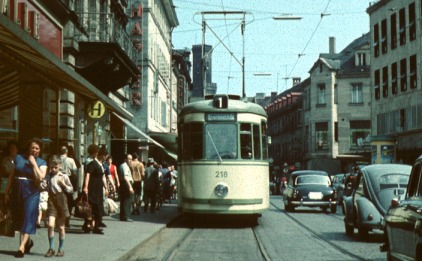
110,186
78,187
173,182
30,170
151,185
43,205
126,188
166,179
69,167
114,177
137,172
94,183
59,184
7,164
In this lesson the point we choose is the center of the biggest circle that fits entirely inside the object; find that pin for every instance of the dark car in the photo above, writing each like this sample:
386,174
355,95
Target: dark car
311,188
376,185
403,221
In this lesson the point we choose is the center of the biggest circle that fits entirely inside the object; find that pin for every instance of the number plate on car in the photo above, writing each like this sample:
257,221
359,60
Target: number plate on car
315,195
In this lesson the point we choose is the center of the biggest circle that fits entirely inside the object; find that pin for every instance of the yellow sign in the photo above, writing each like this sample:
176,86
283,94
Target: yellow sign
96,109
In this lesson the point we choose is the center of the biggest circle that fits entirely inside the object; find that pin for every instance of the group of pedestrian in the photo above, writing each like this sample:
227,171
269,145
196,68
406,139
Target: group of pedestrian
35,189
28,175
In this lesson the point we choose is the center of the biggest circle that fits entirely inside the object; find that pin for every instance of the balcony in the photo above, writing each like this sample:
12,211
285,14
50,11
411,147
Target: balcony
106,56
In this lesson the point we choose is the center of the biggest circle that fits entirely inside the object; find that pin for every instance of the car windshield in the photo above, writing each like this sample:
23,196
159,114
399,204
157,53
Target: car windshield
312,179
393,181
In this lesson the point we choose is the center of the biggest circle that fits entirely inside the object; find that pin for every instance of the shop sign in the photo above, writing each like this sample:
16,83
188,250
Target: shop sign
95,109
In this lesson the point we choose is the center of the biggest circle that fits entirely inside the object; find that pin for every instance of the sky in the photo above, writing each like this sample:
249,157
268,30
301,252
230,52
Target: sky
274,51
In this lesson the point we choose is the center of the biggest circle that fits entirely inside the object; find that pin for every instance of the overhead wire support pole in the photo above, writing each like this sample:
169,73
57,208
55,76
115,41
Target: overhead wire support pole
203,65
243,57
204,55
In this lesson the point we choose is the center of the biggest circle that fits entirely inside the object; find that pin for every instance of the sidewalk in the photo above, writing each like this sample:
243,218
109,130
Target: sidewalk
119,237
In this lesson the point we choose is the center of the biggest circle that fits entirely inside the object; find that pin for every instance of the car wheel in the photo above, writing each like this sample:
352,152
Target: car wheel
286,206
363,233
349,229
333,209
418,253
389,256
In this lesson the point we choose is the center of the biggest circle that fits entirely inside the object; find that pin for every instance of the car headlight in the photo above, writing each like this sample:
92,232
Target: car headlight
221,190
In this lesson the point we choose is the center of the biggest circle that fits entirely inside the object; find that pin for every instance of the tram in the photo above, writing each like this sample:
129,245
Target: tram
223,157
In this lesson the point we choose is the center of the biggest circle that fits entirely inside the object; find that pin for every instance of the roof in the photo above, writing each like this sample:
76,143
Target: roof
309,172
344,60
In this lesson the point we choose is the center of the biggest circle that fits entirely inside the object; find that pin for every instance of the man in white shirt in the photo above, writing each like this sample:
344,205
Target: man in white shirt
126,188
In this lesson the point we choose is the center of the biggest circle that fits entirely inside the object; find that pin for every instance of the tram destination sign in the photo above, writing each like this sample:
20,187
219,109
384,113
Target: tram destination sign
220,116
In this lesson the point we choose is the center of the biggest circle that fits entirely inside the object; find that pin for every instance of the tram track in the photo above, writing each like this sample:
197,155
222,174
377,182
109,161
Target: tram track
184,239
319,236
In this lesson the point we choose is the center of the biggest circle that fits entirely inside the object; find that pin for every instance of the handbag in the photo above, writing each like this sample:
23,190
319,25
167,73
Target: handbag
82,208
6,223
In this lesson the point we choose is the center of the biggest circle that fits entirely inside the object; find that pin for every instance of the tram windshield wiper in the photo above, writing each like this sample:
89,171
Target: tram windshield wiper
216,150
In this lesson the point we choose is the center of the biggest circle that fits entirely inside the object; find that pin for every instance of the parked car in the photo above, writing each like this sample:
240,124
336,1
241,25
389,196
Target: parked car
338,185
311,188
376,185
403,221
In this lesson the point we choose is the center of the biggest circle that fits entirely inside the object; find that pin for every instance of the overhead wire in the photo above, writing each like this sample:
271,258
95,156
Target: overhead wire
310,39
229,44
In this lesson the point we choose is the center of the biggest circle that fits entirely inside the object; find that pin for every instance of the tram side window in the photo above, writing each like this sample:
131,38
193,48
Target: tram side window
264,140
245,141
192,141
256,142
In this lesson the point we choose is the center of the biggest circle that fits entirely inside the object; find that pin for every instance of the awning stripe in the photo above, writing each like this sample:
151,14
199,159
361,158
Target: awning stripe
9,87
130,124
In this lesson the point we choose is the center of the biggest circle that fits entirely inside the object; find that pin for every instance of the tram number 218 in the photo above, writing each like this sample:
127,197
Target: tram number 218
221,174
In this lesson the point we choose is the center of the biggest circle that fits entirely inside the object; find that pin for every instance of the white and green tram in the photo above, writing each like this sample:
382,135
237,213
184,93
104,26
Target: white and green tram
223,157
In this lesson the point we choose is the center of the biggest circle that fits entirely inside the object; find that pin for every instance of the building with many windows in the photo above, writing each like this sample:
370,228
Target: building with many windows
396,30
63,67
153,101
91,72
337,108
202,71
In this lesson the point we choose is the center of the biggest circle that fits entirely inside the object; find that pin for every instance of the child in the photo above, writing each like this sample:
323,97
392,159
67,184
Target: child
42,208
58,184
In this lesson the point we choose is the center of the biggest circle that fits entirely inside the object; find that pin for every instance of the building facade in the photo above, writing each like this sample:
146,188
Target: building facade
63,65
396,32
337,108
202,71
285,126
154,95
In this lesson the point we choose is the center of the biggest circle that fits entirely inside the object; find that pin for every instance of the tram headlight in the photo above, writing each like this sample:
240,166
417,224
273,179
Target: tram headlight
221,190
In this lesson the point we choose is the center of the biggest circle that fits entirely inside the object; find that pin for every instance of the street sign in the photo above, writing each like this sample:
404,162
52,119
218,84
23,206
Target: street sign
95,109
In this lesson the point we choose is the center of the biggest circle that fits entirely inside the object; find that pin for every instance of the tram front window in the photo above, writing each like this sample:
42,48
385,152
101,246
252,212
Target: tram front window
221,141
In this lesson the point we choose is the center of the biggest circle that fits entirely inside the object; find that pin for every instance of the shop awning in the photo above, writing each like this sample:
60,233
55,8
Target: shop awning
130,124
169,140
20,50
170,153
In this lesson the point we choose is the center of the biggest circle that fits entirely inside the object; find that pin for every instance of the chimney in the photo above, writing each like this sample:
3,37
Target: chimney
332,45
296,80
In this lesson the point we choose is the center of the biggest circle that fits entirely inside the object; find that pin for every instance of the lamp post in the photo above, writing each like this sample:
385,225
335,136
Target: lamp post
264,74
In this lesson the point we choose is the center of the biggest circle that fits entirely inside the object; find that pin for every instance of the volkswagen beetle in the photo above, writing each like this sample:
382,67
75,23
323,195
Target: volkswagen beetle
376,185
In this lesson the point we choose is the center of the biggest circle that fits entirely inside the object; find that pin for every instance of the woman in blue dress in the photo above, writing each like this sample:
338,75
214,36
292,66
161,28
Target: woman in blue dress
30,170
